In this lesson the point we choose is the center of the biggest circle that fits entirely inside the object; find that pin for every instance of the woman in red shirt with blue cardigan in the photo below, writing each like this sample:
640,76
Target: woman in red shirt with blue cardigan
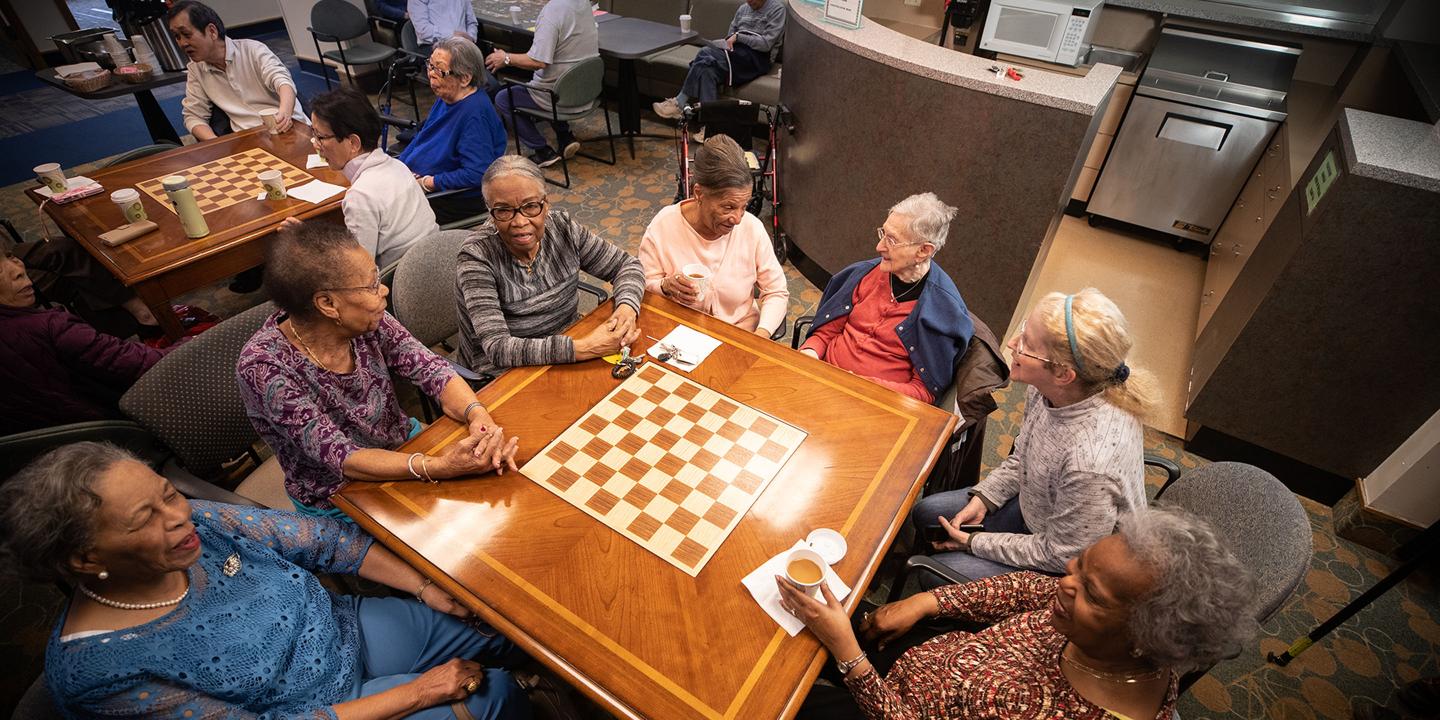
897,320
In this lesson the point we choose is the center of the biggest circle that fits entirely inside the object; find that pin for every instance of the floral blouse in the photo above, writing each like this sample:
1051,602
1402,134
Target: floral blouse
1010,670
313,419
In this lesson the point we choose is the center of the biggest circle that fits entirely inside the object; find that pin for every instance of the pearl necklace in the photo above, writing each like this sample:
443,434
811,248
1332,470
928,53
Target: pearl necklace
132,606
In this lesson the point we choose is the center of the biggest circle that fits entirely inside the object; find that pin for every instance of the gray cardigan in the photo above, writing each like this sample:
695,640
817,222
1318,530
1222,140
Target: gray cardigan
510,317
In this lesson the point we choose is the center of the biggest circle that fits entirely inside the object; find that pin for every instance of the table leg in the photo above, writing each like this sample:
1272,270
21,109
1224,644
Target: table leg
155,298
155,120
629,103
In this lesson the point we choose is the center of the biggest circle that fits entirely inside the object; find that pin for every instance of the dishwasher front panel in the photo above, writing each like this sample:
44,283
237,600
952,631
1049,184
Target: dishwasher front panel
1178,168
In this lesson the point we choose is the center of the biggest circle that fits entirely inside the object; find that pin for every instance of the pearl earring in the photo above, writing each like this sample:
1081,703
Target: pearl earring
103,575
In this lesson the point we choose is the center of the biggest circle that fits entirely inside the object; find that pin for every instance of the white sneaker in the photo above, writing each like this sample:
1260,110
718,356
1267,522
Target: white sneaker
667,109
570,149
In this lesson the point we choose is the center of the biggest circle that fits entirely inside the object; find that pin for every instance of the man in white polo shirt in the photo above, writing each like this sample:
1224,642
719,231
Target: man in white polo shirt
241,77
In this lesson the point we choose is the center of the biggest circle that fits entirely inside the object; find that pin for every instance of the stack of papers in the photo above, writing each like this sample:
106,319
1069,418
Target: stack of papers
78,181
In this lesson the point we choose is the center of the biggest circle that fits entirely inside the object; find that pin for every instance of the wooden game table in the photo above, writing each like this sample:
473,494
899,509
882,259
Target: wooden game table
164,264
635,633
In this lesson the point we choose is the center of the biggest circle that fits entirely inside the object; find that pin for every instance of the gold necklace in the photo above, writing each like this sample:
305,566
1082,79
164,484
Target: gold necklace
530,266
1127,678
305,345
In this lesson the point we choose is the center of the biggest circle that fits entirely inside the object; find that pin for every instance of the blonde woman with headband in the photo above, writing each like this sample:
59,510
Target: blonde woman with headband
1078,462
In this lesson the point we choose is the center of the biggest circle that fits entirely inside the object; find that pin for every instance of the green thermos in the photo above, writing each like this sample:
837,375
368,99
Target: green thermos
177,188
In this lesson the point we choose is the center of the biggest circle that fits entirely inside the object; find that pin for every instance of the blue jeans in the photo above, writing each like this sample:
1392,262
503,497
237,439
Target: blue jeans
517,96
400,639
1007,519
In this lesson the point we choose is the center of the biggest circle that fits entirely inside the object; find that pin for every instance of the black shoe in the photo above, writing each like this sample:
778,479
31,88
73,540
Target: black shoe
545,157
248,281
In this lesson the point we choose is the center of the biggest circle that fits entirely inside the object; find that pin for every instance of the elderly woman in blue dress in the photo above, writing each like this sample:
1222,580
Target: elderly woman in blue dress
205,610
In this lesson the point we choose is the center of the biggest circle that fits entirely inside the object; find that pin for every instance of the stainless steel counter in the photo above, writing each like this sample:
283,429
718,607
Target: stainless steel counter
1342,19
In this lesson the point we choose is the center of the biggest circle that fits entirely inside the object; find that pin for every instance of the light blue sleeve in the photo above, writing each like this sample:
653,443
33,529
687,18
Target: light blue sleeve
317,544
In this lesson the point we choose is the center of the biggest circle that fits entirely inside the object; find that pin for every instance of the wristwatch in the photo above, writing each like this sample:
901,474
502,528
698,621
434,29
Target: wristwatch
845,666
507,58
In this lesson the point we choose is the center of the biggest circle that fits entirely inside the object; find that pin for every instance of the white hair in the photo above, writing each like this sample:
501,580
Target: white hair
929,217
507,165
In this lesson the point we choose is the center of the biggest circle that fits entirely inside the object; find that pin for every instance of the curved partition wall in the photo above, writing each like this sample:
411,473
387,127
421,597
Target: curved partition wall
879,116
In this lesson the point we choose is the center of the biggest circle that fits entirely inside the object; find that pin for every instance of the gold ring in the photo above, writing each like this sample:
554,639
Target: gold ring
472,685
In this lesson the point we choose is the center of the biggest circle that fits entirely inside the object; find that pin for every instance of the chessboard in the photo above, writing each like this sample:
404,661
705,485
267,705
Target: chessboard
218,184
668,463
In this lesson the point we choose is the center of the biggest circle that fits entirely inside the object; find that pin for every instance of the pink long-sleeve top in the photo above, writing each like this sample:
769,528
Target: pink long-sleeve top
739,261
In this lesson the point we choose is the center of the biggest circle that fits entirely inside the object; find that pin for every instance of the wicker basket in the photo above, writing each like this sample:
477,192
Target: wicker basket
142,73
89,81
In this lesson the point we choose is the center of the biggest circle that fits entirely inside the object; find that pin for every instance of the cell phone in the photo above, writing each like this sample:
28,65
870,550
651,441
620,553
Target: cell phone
936,533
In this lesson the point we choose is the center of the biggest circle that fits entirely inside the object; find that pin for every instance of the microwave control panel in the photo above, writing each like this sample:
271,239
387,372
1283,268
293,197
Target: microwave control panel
1074,34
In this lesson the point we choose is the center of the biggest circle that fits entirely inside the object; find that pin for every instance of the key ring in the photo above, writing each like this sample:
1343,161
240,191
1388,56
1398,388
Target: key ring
625,367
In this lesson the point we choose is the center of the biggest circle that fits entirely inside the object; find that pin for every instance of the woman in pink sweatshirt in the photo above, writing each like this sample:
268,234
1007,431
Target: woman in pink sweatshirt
712,229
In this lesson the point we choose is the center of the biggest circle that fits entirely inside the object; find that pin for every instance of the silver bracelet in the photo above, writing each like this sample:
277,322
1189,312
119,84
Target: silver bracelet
465,415
845,666
410,465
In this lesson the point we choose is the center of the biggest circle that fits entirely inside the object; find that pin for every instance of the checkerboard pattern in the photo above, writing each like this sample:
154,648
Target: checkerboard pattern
221,183
668,463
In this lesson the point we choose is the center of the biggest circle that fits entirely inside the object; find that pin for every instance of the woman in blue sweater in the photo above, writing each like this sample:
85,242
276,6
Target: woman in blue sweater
208,610
462,136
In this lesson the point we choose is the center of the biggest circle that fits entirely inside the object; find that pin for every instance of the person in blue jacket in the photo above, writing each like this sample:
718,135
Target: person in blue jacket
462,136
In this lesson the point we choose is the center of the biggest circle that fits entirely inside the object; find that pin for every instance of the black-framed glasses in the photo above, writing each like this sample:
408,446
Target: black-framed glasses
317,139
439,72
373,288
891,241
530,209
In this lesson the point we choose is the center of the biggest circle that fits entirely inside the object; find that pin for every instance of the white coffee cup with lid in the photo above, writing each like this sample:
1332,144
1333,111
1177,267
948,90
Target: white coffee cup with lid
128,200
685,23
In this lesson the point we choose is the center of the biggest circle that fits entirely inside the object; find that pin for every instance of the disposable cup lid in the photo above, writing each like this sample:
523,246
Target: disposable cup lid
125,195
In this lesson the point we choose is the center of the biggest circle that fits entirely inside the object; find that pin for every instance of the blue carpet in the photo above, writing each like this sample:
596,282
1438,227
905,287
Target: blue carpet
16,82
78,142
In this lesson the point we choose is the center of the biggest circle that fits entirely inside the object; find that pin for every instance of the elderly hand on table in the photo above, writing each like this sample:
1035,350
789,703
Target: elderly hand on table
491,446
827,620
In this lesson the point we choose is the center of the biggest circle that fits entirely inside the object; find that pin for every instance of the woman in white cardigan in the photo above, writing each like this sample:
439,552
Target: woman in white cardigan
384,208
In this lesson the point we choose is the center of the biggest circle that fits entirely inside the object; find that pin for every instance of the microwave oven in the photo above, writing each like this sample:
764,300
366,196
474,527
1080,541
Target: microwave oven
1056,31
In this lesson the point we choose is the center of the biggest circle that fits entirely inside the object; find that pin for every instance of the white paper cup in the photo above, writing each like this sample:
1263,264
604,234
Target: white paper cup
698,274
50,175
515,14
810,584
274,184
685,23
268,116
128,200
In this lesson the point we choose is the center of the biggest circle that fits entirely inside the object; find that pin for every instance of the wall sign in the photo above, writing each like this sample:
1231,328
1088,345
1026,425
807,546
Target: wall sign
844,12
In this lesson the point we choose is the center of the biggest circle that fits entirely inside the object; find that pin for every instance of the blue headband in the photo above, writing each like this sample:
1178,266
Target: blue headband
1070,331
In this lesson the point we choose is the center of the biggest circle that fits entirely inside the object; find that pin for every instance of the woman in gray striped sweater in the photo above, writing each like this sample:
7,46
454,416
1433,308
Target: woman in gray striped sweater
1078,462
519,273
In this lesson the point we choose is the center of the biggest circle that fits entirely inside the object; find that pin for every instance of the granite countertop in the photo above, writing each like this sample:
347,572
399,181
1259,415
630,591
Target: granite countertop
1393,150
1224,12
1083,95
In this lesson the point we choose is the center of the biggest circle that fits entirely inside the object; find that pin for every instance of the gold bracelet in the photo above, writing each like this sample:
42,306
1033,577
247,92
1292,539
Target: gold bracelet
426,470
421,590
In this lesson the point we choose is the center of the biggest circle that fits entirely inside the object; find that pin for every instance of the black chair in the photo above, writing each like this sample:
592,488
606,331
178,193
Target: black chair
140,152
337,21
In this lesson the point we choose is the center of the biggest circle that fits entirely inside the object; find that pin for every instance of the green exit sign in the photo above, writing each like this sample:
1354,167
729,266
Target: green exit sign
1320,182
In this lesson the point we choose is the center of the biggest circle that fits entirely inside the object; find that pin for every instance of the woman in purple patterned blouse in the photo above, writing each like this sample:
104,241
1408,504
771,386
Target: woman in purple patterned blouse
1161,597
316,377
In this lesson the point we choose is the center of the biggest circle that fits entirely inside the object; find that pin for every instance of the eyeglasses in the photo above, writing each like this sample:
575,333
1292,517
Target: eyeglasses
1020,348
317,139
530,209
441,73
891,241
373,288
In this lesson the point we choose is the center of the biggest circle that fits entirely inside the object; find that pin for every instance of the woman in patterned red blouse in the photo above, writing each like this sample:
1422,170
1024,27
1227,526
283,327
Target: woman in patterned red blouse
1161,597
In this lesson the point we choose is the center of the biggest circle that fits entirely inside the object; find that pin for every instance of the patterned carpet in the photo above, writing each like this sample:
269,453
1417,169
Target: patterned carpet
1393,642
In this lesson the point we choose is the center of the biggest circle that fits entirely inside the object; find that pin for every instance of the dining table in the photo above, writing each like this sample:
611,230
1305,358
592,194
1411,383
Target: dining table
634,632
165,263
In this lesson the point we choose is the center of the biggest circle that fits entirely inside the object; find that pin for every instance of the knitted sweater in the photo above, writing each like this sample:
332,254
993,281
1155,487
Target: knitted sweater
1075,468
510,316
457,142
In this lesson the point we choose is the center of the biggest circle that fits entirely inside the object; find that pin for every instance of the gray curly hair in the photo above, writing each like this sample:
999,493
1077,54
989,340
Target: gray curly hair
929,217
1202,610
48,509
